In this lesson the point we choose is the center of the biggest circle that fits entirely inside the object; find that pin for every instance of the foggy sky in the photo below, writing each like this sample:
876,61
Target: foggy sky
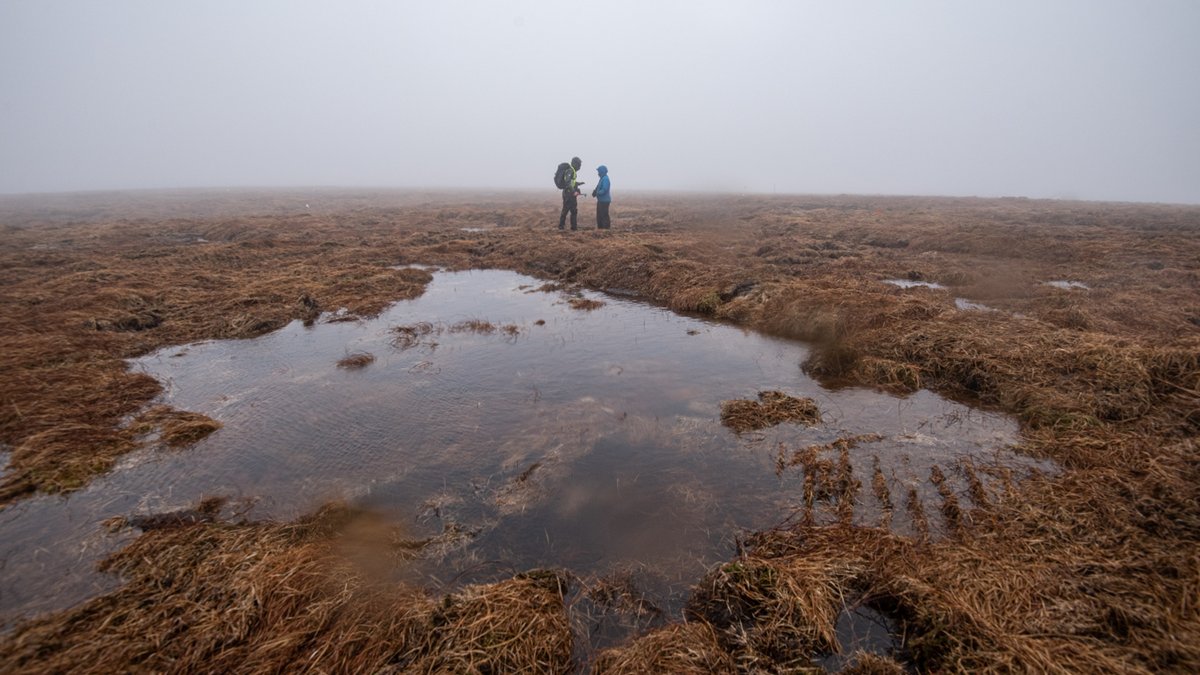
1086,99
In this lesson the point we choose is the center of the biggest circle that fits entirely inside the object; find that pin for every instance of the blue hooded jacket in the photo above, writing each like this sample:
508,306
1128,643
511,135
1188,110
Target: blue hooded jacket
604,187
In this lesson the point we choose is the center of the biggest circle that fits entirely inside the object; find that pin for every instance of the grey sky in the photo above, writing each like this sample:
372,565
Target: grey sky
1087,99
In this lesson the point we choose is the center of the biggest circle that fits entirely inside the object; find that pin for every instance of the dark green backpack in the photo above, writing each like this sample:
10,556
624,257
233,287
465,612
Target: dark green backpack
562,177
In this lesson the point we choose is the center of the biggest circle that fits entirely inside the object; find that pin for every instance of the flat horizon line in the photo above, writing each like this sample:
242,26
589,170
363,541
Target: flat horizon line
483,190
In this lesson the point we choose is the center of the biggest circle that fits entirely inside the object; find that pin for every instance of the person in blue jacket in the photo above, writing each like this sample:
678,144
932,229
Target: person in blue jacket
603,195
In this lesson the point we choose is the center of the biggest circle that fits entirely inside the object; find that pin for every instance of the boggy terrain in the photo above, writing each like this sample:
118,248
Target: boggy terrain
1093,569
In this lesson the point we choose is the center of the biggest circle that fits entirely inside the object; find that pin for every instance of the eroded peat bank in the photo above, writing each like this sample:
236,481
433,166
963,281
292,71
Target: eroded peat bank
251,432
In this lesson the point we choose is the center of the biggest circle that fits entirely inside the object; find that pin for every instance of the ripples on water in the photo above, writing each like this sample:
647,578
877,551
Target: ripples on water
584,440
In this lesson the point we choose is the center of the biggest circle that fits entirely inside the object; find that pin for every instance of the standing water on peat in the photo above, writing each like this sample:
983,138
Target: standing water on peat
509,428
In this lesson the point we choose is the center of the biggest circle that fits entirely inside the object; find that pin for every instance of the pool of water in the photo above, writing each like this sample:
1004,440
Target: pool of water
1068,285
968,306
559,437
906,283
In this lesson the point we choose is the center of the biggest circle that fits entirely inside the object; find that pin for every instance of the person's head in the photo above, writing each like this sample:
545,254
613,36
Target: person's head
576,163
602,170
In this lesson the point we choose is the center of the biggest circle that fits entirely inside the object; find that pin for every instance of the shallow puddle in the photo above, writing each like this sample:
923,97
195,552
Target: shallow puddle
513,430
968,306
962,304
905,283
862,629
1068,285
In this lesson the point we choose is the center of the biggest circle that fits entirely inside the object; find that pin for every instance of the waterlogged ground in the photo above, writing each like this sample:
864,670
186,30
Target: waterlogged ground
560,437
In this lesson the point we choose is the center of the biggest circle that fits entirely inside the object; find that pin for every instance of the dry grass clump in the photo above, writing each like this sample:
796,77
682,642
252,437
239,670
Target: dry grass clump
356,361
771,609
260,597
50,460
771,408
866,663
176,428
691,647
776,607
887,373
585,304
61,403
518,625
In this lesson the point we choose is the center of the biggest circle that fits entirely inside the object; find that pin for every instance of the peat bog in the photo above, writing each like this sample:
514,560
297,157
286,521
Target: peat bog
325,456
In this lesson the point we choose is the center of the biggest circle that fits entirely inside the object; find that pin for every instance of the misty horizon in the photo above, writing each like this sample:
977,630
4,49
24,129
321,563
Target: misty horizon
1067,100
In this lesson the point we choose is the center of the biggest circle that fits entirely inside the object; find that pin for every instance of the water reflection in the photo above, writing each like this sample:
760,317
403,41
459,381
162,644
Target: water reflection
588,440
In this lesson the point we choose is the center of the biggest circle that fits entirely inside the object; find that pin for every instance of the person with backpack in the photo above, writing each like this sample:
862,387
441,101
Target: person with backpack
565,180
603,195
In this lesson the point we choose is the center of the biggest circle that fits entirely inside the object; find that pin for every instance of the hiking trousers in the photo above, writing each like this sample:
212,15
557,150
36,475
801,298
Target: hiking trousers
570,205
602,220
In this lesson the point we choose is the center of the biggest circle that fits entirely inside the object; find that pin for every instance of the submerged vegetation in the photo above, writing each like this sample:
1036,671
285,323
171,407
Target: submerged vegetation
1093,569
356,361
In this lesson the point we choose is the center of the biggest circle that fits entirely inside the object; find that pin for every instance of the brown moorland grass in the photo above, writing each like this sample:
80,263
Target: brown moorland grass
176,428
771,408
585,304
1093,569
267,597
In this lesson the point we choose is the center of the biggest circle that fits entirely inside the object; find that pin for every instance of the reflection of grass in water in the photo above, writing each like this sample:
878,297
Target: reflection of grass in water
585,304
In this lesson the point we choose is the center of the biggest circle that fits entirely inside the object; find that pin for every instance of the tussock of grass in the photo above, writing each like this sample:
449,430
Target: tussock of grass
685,648
176,428
356,361
771,408
585,304
866,663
